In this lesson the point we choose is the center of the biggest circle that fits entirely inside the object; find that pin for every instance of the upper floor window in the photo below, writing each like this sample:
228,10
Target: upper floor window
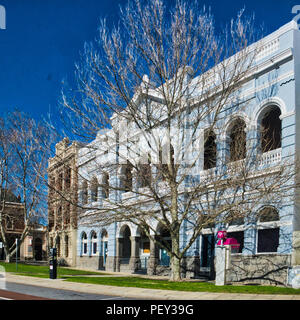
126,179
84,192
237,140
68,178
60,181
270,129
210,150
105,185
144,173
94,189
67,213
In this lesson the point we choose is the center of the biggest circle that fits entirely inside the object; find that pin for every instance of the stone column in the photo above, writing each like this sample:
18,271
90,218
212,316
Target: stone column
135,254
119,246
153,259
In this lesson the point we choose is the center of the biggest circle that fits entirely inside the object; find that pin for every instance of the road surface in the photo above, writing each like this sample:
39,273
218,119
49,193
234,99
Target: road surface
17,291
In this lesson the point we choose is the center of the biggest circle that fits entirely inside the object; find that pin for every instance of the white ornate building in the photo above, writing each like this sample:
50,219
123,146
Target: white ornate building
269,247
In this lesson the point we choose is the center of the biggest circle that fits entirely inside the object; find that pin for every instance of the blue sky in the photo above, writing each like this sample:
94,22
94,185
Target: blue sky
43,39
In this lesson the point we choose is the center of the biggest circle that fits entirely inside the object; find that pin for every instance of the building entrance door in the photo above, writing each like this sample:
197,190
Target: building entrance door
207,253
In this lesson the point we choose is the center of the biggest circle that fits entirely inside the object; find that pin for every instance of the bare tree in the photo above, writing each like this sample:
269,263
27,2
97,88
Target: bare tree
23,193
165,81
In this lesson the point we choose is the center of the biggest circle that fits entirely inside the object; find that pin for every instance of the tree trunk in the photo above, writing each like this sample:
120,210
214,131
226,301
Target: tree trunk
175,269
175,261
8,258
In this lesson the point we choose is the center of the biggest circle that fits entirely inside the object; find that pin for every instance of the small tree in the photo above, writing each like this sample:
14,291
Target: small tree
23,161
165,75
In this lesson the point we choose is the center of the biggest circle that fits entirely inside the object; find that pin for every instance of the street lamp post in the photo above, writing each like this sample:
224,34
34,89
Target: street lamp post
17,254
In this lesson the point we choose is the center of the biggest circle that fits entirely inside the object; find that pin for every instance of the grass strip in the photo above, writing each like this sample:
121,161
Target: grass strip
138,282
43,271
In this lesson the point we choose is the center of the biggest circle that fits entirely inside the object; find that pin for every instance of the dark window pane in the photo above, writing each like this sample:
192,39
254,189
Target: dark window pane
268,240
237,143
207,250
239,236
271,130
210,151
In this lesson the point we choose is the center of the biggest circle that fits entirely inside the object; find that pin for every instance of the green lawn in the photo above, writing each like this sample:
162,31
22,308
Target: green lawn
139,282
43,271
182,286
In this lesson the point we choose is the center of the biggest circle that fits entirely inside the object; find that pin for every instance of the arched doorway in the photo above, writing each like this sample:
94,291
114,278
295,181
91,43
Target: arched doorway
38,251
126,244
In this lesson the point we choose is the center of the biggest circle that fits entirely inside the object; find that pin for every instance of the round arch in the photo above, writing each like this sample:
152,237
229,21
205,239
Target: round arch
274,101
229,123
268,213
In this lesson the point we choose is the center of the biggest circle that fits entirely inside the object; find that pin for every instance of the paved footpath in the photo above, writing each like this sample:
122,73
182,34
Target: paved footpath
141,293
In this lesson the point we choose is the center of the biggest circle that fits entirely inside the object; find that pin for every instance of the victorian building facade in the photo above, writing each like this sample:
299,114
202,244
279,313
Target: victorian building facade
268,245
62,201
34,245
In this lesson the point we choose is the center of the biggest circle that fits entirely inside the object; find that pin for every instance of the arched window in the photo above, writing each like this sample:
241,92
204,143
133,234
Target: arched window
94,189
268,214
83,243
84,192
234,218
268,234
144,173
162,167
210,150
270,129
105,185
126,181
237,140
94,243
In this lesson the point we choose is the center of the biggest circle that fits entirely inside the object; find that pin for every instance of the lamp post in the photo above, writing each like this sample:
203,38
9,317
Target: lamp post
16,254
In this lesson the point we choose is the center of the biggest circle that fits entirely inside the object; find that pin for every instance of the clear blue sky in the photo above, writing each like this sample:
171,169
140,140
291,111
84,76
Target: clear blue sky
43,39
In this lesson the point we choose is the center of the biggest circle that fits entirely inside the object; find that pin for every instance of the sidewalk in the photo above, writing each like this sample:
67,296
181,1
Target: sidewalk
141,293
